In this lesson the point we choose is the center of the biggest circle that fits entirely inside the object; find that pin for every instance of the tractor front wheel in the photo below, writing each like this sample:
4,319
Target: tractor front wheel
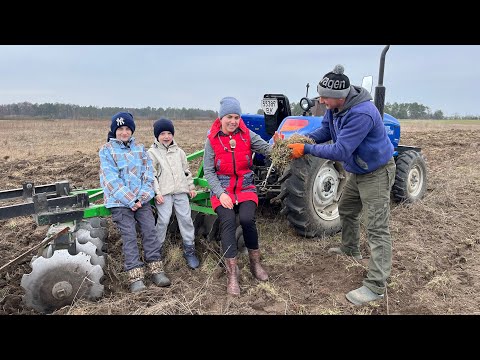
410,178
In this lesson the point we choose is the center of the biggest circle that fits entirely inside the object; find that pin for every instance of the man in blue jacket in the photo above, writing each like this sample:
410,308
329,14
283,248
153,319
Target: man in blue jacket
359,140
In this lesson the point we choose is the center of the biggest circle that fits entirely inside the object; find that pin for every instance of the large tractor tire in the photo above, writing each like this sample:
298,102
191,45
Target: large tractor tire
313,190
410,178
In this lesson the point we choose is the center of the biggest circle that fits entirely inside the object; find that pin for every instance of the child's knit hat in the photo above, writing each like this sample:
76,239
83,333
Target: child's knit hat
163,124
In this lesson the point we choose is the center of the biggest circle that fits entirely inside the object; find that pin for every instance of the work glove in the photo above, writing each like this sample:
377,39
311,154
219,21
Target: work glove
297,150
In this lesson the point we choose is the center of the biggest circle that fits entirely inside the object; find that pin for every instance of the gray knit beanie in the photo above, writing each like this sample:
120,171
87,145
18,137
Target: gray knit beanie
334,84
229,105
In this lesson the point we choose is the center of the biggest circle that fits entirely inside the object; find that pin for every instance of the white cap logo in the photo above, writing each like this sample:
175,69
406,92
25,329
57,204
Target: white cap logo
120,121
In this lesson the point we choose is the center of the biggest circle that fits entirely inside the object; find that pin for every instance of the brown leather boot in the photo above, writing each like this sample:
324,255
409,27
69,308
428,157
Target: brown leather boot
256,269
232,276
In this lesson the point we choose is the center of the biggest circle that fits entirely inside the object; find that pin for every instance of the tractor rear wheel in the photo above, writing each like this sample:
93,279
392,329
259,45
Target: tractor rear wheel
410,178
312,193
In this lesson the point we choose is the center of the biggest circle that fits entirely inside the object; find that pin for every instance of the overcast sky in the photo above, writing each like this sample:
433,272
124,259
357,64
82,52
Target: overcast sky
442,77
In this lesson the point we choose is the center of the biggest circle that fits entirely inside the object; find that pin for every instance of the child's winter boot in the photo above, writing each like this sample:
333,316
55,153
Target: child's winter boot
135,277
189,255
159,278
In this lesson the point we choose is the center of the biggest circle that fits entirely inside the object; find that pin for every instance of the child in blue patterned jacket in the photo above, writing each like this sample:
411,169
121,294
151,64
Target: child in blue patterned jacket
126,176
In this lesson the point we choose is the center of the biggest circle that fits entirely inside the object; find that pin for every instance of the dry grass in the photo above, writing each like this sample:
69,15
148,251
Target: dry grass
282,155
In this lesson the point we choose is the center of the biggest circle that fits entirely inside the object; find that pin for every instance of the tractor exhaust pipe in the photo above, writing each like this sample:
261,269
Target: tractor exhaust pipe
380,89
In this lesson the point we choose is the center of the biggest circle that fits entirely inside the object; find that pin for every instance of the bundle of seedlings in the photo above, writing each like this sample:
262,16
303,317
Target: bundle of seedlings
281,154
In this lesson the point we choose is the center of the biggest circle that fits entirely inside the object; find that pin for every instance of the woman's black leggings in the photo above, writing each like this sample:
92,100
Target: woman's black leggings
247,214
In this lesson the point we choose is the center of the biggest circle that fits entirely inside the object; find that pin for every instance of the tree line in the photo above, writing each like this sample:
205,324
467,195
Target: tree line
68,111
26,110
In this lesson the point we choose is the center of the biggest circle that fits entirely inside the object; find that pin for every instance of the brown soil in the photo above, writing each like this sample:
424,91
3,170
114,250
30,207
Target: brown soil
436,264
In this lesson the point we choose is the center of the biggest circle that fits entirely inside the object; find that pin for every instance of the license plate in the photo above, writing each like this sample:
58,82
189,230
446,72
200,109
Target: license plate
269,106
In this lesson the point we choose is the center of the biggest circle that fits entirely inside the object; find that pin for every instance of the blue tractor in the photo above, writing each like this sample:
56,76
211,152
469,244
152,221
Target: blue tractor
310,188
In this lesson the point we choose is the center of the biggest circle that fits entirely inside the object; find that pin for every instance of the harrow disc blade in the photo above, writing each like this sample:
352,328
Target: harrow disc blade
60,280
94,228
83,236
96,255
95,222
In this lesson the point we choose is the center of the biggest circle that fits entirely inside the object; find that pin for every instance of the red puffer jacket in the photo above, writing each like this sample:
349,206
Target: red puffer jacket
233,164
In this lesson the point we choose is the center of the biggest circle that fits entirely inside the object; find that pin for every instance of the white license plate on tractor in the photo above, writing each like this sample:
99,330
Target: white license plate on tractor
269,106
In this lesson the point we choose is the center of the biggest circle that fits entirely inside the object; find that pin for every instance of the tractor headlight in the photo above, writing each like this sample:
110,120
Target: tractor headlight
305,104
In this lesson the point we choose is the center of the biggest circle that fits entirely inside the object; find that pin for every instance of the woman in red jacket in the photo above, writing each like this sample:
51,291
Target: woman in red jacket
227,166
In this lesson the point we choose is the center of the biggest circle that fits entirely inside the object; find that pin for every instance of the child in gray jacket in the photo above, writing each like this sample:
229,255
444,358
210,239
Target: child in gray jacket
173,184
